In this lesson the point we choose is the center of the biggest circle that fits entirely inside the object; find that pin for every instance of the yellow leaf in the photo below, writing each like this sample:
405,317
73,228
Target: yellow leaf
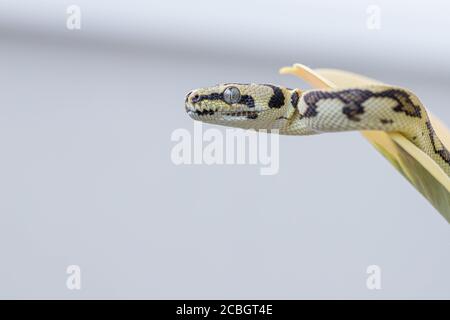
417,167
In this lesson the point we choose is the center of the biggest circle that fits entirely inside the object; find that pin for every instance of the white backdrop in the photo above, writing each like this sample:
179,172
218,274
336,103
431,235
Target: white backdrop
85,171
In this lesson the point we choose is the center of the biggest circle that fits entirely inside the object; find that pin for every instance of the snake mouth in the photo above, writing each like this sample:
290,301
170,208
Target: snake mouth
194,110
207,113
247,114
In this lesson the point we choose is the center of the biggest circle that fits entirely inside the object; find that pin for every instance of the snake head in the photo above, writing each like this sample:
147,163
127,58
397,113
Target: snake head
248,106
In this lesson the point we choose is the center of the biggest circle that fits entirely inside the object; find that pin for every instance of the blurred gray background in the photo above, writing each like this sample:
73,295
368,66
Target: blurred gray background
86,176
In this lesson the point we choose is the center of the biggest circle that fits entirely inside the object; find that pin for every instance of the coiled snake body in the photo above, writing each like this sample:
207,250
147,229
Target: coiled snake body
294,112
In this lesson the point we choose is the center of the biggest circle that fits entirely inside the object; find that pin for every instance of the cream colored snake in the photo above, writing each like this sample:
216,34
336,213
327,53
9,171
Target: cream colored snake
296,112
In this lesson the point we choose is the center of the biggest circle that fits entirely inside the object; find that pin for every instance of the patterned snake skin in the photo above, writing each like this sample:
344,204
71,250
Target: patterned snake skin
293,112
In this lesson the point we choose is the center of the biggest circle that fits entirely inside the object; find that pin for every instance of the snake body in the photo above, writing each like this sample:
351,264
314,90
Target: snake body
296,112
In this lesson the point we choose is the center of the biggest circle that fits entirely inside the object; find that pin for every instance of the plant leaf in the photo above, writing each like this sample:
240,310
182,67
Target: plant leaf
416,166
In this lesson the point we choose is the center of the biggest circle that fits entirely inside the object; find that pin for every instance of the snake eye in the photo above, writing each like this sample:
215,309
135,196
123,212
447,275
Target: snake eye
232,95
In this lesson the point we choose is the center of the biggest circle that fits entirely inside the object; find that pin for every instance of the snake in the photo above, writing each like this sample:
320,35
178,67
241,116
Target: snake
286,111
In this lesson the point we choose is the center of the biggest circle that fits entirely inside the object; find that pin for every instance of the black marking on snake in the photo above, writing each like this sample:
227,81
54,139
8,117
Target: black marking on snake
354,98
211,96
294,99
245,99
248,114
204,112
352,110
386,121
311,99
252,115
277,100
404,102
443,152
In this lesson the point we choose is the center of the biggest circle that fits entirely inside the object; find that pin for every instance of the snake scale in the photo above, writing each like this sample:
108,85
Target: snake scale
297,112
